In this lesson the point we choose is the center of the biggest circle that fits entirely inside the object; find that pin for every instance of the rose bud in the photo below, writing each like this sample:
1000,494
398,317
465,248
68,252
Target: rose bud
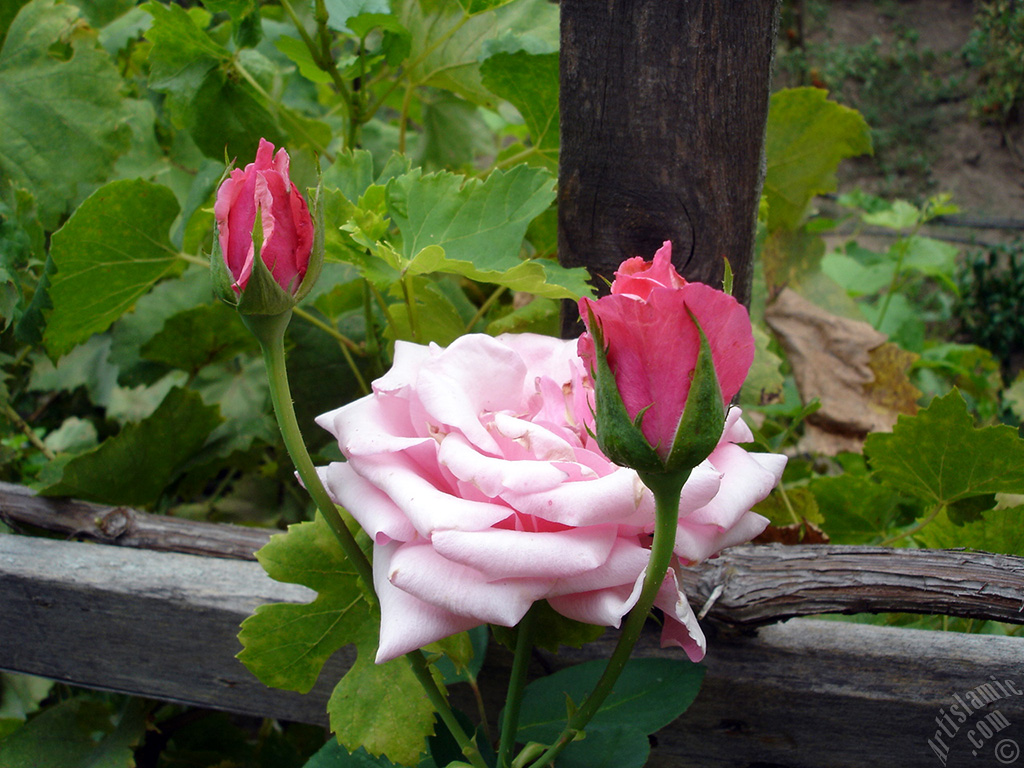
264,258
667,356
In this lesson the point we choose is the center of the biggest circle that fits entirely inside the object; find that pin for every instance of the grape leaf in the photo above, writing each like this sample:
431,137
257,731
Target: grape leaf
480,226
287,644
209,92
998,530
381,707
530,83
59,100
807,136
199,336
109,253
77,733
857,510
446,47
940,456
135,466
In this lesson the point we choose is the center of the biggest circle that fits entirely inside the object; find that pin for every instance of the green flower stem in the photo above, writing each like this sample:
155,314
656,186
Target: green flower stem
667,489
269,330
421,669
516,684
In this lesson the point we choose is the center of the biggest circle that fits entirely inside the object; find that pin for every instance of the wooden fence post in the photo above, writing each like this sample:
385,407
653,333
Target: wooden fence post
663,110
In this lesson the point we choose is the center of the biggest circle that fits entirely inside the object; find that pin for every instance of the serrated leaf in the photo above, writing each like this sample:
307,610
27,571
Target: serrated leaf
135,466
999,530
287,644
209,94
857,510
77,733
56,107
941,457
530,83
198,337
538,316
381,707
436,318
333,755
150,312
649,695
480,225
341,10
446,47
765,381
454,134
807,136
299,54
109,254
896,215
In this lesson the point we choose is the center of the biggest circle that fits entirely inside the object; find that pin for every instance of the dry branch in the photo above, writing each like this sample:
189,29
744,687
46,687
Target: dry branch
749,585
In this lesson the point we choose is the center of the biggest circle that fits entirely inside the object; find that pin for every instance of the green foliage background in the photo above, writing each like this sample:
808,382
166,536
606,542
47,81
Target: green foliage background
435,127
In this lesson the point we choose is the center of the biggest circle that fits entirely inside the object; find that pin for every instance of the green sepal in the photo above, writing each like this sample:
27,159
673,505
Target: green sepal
700,427
219,273
316,256
262,295
619,436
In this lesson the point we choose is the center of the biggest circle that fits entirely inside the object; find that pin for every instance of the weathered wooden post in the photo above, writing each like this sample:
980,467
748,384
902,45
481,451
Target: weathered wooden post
663,110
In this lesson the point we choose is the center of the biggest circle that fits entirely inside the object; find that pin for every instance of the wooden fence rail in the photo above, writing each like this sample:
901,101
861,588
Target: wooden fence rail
163,624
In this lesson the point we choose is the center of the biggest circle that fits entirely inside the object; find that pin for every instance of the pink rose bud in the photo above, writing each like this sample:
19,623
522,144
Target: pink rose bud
261,217
667,356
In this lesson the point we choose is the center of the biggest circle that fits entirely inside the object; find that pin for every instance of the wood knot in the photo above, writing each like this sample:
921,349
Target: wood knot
115,523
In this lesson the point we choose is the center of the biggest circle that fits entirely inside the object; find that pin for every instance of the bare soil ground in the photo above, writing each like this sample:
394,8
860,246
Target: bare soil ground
982,166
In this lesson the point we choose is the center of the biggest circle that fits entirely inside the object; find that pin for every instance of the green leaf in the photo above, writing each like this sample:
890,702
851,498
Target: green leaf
999,530
896,215
198,337
149,314
649,695
84,366
437,320
765,381
480,225
60,106
454,133
298,52
857,510
108,255
381,707
210,90
447,48
333,755
807,136
341,11
530,83
135,466
538,316
941,457
287,644
77,733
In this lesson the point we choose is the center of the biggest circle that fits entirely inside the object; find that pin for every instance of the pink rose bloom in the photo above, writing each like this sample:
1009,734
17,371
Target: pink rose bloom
472,469
287,226
653,342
